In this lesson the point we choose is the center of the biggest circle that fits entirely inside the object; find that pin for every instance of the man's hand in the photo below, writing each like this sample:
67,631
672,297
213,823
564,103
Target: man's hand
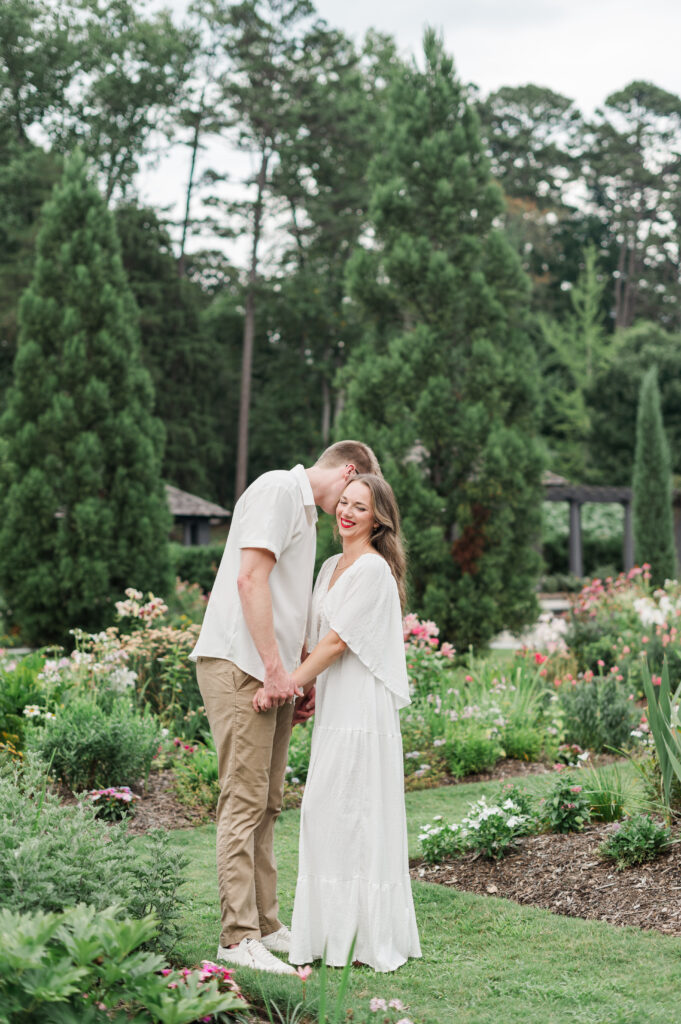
278,684
304,707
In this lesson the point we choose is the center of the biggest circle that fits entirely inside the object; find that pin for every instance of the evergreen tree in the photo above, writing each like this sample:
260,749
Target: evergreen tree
445,386
615,391
577,348
83,509
652,486
186,364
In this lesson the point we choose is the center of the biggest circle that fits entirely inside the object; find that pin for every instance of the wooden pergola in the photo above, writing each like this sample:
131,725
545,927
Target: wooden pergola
557,488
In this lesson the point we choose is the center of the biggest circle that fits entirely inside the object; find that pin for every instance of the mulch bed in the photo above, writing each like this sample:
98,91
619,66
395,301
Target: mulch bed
159,807
560,873
564,874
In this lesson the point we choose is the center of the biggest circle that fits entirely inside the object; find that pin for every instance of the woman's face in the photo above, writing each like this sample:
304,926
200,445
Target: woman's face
355,512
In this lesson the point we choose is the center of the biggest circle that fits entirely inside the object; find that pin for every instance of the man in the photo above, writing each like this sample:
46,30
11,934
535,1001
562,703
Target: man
253,635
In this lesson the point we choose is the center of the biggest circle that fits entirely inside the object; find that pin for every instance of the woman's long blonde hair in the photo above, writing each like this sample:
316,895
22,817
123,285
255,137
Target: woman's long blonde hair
387,536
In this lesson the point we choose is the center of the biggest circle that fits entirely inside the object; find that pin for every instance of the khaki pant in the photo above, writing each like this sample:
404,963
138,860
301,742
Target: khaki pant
252,752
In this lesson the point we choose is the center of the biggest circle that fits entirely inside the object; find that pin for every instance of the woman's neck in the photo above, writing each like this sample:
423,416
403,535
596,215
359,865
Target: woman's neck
353,549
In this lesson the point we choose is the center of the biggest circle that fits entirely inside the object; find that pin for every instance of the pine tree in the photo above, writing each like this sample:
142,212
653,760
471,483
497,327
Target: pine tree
187,366
445,385
83,510
652,486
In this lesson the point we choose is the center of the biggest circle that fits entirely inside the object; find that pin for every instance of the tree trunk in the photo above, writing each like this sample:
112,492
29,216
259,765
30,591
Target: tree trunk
249,334
630,289
326,411
619,283
190,185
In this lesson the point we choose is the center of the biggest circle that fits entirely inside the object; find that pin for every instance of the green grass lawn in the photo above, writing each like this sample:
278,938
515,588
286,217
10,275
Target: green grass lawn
485,960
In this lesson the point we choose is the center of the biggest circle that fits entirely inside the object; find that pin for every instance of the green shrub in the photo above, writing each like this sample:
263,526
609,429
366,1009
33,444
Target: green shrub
196,775
54,856
81,965
565,807
89,747
523,800
114,803
20,687
299,753
523,742
166,678
472,750
197,564
598,713
438,841
636,840
490,830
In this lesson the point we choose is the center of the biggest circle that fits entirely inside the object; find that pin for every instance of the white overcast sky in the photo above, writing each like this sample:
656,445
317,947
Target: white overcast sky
585,49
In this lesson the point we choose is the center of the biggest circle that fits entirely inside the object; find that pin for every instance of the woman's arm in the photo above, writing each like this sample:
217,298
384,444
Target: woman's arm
328,650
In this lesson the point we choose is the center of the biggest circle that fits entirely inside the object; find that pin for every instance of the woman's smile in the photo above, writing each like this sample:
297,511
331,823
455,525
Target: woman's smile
354,512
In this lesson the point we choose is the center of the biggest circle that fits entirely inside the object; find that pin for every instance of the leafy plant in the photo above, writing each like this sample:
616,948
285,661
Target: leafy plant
598,712
82,965
54,856
88,747
488,829
472,750
523,742
299,753
665,723
492,830
196,774
565,808
636,840
114,803
20,685
523,800
438,841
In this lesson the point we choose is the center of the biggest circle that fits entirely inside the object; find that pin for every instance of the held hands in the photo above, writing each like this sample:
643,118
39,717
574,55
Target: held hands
304,707
278,687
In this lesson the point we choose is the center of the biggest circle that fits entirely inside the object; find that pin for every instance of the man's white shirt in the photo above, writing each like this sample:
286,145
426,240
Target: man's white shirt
278,513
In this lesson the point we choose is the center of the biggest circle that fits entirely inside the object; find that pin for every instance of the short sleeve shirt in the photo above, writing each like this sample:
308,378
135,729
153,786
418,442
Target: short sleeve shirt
277,512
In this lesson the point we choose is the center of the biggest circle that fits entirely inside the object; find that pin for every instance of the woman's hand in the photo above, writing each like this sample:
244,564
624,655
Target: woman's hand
304,706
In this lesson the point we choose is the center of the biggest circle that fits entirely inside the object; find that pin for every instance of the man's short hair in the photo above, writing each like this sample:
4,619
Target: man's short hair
356,452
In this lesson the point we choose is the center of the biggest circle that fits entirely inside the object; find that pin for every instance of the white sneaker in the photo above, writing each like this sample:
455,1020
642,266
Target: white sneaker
279,941
251,953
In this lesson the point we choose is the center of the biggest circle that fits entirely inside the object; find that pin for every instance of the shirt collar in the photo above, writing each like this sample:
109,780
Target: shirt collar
306,491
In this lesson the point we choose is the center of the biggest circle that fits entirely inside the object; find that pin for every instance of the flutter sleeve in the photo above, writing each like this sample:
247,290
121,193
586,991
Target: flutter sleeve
364,609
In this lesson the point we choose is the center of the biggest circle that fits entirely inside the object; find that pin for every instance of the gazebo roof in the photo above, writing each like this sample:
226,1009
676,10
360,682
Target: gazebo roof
190,506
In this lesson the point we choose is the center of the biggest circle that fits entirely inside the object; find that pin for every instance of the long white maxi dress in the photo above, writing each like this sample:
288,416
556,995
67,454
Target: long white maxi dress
353,871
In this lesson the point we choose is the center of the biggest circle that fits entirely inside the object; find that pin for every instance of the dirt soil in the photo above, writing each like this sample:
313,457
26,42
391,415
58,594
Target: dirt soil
560,873
564,874
159,807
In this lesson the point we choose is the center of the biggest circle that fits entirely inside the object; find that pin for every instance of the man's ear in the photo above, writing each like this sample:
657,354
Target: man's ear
350,471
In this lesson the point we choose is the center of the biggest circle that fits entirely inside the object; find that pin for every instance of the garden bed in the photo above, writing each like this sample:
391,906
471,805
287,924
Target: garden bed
564,874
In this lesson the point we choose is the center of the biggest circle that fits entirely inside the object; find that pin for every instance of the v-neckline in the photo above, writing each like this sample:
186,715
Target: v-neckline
332,585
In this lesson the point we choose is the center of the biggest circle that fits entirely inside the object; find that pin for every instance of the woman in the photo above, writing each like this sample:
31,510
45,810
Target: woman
353,874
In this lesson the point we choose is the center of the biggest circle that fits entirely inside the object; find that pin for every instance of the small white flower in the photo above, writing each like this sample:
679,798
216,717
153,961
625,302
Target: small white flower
32,711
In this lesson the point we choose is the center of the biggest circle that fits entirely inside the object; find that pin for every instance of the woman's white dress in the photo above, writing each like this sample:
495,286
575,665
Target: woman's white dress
353,872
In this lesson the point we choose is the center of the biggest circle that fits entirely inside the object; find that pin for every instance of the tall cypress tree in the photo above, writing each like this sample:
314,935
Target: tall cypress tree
83,511
652,486
445,385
